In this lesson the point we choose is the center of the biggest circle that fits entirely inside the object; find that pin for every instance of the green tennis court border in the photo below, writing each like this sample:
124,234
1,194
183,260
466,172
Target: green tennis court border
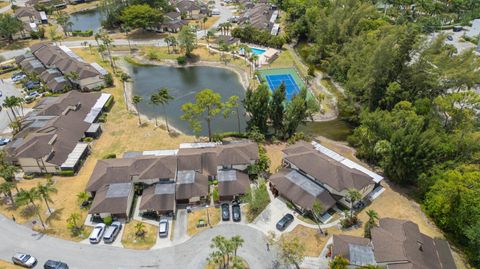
283,71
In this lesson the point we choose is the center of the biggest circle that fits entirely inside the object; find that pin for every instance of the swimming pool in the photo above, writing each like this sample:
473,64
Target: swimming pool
258,51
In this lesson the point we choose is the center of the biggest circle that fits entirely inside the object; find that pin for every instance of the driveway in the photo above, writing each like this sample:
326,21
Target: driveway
268,219
180,229
191,254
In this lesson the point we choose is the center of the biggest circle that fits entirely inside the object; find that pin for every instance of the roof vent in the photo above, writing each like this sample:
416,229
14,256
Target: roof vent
420,246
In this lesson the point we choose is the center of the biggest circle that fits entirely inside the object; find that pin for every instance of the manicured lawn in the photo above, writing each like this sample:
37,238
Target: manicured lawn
195,216
313,241
131,240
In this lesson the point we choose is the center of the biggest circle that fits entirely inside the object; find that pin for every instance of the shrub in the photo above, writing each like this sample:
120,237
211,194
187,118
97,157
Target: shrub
108,78
297,137
152,55
110,156
66,173
108,220
181,60
27,176
103,117
85,33
349,222
87,139
108,104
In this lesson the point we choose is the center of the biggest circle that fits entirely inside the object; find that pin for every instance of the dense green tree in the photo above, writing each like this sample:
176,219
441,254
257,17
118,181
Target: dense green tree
9,25
140,16
186,39
256,104
338,262
232,107
295,113
277,108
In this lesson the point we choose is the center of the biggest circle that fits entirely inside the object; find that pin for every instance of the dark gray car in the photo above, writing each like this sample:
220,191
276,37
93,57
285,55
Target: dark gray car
50,264
225,212
284,222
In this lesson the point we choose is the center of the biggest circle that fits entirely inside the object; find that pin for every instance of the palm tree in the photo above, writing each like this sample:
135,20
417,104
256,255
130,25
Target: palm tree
164,98
124,77
237,242
6,188
210,34
7,171
108,42
126,29
227,26
135,101
25,197
372,217
154,101
44,191
140,229
352,196
317,210
169,40
101,49
82,197
11,102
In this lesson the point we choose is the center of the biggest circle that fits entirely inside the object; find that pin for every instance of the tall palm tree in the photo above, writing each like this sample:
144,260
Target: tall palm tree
317,210
44,191
11,102
108,42
135,101
237,241
124,77
20,102
164,98
154,101
352,196
140,229
25,197
7,171
6,188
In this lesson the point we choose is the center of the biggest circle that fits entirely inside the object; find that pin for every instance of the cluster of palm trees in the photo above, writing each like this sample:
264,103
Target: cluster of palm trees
224,28
42,192
160,97
14,103
225,253
105,45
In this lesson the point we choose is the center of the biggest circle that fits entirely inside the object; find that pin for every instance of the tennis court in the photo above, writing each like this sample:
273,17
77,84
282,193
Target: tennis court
288,76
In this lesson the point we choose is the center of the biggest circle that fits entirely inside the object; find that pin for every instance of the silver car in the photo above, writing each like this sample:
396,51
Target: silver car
24,260
163,228
112,231
97,233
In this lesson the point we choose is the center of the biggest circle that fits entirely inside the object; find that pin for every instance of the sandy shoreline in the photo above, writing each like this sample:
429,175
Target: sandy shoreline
242,77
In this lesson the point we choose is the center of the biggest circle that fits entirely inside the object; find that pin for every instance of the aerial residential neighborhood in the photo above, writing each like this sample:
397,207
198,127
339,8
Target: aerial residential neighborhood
217,134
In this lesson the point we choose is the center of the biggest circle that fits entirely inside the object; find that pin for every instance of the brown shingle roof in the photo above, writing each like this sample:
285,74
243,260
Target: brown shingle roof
397,241
159,197
186,189
326,170
300,189
28,12
341,242
63,132
112,199
163,167
238,184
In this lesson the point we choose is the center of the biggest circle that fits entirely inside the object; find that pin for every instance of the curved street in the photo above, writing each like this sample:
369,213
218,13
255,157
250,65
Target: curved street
191,254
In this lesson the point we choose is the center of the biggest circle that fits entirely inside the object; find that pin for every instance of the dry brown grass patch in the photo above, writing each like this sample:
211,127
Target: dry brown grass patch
313,241
195,216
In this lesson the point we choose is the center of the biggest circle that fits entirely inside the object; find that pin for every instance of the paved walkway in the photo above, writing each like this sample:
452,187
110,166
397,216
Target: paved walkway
191,254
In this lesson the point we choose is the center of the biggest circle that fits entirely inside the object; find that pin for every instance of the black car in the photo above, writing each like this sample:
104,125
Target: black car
284,222
225,212
55,265
236,213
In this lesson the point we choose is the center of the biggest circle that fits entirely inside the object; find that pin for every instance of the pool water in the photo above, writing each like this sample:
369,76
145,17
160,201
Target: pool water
258,51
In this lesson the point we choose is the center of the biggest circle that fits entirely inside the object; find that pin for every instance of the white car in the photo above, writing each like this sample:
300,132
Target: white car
24,260
97,233
112,231
163,228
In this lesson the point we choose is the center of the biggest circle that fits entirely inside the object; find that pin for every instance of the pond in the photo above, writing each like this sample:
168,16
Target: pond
87,20
337,129
183,84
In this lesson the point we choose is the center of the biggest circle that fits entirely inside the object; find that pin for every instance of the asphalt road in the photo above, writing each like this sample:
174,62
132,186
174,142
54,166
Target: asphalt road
8,88
192,254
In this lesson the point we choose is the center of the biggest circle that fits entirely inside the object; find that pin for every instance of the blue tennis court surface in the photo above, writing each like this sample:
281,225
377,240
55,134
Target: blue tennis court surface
291,86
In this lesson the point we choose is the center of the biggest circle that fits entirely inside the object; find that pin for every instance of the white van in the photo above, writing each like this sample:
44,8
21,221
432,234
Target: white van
215,12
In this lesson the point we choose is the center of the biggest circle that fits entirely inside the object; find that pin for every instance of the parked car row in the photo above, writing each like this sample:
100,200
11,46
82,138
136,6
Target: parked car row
108,234
28,261
236,212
